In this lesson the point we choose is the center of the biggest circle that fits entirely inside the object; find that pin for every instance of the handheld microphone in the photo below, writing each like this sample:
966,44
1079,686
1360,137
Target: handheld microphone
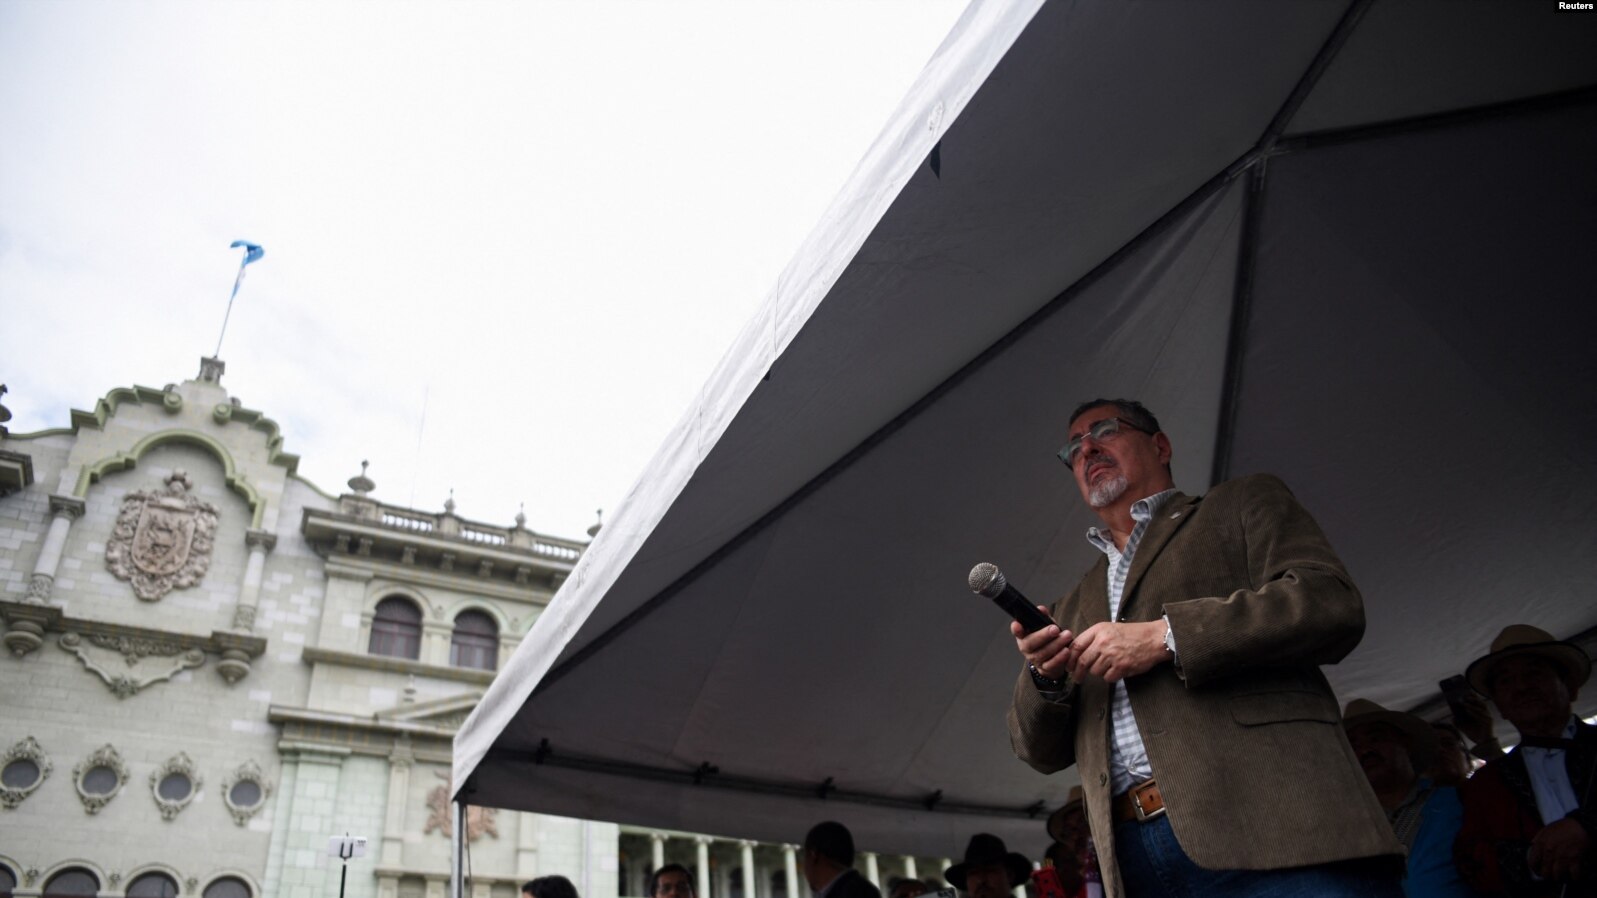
987,580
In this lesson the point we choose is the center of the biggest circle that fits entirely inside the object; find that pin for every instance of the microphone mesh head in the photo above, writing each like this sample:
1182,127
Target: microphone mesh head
986,579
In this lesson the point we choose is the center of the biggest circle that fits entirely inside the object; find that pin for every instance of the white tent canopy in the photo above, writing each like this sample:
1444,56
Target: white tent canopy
1347,243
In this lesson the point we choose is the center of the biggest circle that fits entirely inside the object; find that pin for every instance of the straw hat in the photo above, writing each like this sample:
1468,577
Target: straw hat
1523,639
1418,737
986,848
1056,820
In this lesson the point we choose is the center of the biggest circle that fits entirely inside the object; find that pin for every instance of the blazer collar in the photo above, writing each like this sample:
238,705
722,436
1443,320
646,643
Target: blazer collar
1175,513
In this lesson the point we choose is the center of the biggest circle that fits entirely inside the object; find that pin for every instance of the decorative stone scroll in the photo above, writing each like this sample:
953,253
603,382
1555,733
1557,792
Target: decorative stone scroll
480,821
174,784
235,791
162,539
149,661
104,758
26,751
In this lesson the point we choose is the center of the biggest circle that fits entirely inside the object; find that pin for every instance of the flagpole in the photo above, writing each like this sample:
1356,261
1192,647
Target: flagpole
251,253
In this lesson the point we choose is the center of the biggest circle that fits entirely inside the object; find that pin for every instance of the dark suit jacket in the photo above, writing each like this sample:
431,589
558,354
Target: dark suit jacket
1501,817
1248,749
852,885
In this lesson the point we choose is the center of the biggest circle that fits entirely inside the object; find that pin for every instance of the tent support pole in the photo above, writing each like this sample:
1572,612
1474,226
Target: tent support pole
1241,310
457,849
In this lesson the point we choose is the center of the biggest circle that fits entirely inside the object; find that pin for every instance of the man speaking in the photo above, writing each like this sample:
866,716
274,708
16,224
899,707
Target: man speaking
1182,677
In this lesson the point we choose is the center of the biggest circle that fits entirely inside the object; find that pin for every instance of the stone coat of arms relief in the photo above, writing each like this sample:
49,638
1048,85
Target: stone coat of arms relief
162,539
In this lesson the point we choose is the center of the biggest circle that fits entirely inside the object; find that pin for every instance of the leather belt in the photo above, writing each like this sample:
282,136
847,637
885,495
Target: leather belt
1141,803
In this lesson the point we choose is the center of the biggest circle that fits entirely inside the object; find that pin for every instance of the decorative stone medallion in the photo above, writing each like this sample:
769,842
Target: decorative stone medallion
174,784
16,765
162,539
245,791
99,778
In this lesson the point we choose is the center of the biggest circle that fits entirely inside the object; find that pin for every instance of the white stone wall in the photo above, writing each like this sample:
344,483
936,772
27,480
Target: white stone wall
319,788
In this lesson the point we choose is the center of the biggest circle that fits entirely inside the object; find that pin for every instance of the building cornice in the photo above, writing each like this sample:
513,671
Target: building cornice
314,655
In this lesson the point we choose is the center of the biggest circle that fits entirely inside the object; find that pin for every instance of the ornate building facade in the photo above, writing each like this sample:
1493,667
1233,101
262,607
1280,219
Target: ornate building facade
212,667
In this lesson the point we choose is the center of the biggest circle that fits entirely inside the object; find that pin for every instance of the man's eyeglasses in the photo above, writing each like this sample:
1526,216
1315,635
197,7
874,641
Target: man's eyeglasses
1101,432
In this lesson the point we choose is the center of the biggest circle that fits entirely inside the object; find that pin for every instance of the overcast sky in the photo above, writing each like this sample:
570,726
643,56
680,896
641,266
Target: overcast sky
505,242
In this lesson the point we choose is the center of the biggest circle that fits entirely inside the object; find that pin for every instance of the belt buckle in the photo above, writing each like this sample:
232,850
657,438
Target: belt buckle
1137,792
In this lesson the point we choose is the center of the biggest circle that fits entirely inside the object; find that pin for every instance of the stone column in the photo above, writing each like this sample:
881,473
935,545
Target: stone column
259,542
703,845
872,871
656,851
63,511
747,858
909,867
527,833
944,864
790,866
399,763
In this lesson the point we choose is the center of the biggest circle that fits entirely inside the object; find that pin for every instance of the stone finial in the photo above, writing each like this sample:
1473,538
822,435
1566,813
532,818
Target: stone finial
5,413
521,517
211,369
449,503
179,476
360,483
597,524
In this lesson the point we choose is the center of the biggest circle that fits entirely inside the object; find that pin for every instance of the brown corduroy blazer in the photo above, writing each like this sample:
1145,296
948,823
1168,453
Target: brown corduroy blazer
1247,742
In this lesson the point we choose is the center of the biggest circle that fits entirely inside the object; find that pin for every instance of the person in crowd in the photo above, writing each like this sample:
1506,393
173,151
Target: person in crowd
1182,678
989,870
1068,829
905,887
672,881
828,863
1528,819
1451,765
549,887
1393,747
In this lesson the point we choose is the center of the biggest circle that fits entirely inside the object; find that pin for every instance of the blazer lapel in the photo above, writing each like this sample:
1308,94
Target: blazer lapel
1175,513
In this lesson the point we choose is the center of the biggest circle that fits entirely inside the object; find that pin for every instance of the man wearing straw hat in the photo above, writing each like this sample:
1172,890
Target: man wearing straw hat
1393,747
1528,820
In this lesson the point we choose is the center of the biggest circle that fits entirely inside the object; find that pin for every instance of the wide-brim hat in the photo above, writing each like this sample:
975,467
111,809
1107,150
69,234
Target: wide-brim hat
1056,820
1418,736
986,848
1523,639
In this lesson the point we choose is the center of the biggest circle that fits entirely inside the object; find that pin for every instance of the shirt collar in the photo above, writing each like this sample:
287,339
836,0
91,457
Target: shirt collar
1142,511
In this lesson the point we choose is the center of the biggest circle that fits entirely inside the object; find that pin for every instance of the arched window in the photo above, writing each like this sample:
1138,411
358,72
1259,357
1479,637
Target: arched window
396,629
74,882
8,881
476,641
153,885
227,887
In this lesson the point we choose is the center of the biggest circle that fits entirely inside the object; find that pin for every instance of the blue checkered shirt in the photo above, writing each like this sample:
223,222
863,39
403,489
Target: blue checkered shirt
1128,757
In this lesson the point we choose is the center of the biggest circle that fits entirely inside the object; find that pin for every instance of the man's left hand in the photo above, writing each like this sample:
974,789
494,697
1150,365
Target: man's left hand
1114,651
1557,851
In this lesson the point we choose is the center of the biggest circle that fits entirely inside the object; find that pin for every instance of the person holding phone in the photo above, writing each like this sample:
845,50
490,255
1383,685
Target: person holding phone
1182,678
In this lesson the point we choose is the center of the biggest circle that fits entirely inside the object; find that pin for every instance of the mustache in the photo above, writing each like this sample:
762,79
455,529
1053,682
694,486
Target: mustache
1101,461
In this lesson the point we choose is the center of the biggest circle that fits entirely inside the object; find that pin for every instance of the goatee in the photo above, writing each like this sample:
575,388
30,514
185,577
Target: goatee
1107,491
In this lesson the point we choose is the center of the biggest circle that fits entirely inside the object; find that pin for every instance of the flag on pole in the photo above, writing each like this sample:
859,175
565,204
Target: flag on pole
252,252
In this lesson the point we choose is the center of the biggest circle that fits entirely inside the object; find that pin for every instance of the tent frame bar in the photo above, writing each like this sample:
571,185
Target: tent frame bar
707,776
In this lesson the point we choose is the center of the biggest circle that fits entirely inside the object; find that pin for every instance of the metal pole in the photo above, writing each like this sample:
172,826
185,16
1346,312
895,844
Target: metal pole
342,875
457,867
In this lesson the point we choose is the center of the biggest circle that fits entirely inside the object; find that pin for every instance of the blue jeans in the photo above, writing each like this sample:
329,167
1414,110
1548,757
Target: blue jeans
1153,865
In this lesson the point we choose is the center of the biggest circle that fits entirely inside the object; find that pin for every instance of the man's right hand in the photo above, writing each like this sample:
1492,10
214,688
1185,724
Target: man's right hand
1046,649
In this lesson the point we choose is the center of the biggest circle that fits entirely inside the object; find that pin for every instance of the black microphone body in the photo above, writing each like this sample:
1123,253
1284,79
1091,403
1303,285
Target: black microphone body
987,580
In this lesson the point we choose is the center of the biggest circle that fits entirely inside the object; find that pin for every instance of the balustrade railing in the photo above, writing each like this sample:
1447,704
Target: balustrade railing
478,533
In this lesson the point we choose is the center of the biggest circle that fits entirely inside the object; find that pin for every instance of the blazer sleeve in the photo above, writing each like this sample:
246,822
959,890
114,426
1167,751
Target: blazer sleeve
1043,731
1297,606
